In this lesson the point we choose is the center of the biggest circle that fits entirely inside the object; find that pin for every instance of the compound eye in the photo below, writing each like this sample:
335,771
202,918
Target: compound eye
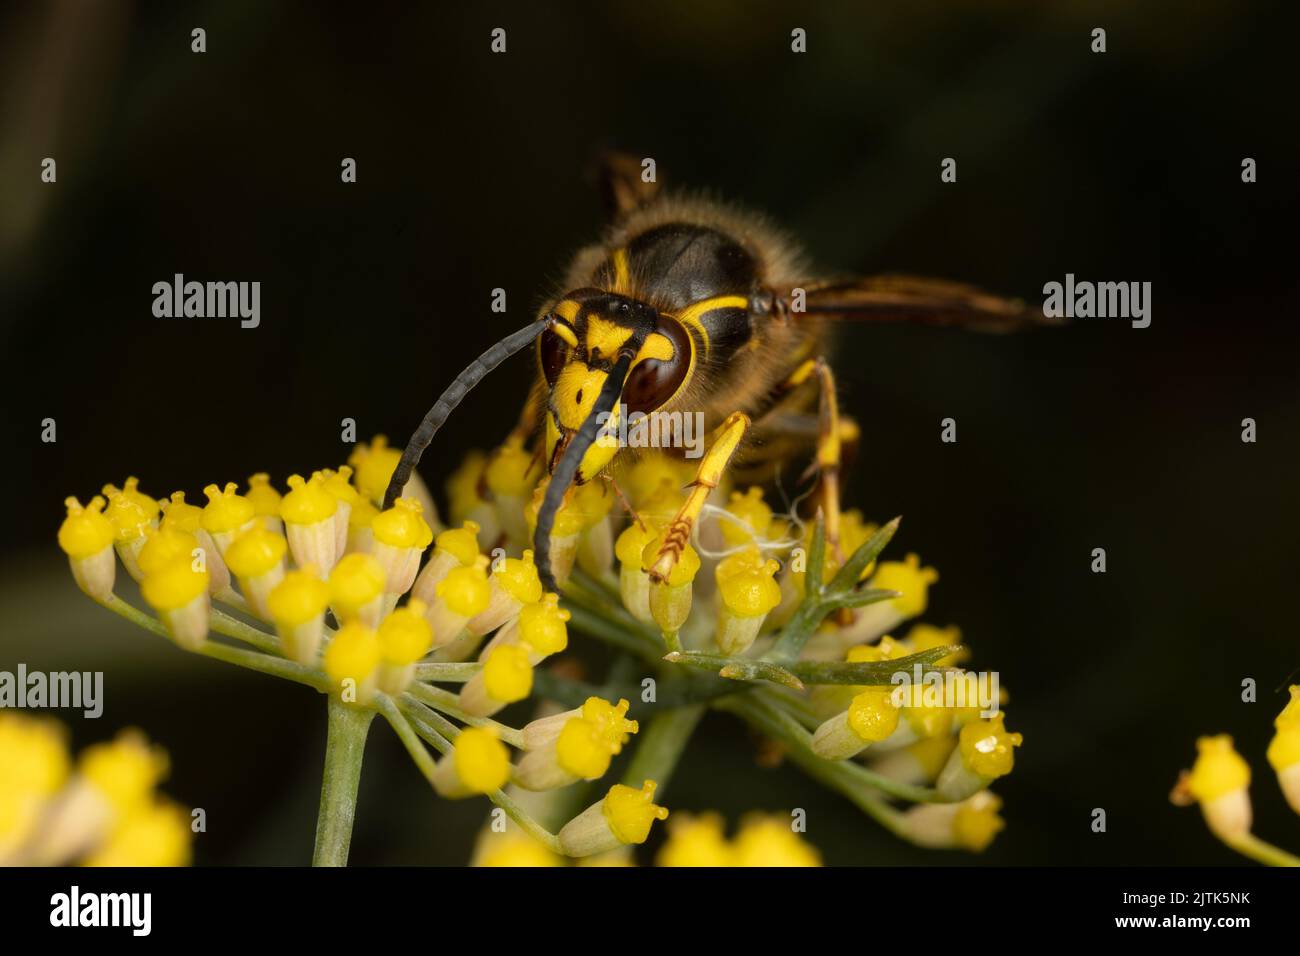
552,354
653,381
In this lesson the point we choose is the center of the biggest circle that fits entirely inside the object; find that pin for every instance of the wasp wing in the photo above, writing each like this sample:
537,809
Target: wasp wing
622,184
904,298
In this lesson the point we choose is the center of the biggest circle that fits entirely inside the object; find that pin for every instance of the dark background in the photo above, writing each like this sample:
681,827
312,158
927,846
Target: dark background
1122,166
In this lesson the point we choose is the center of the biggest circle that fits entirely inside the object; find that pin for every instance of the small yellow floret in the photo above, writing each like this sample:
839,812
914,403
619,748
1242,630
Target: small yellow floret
405,635
517,849
33,753
299,598
976,822
987,749
583,750
1291,712
181,515
85,532
173,586
465,590
507,674
1219,769
265,499
510,469
339,485
165,546
518,577
154,835
362,515
695,840
1284,748
374,464
631,812
125,770
748,585
748,517
652,473
908,578
402,526
354,582
461,543
352,654
769,841
131,491
482,760
872,714
255,552
611,719
128,518
226,510
632,542
307,501
568,521
923,637
542,625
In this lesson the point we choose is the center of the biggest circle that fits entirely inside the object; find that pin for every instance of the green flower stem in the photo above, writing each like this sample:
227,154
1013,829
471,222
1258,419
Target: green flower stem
596,624
450,673
430,725
602,585
846,776
795,704
661,746
223,623
611,609
344,747
736,668
411,728
232,598
275,666
871,673
449,703
821,599
1262,852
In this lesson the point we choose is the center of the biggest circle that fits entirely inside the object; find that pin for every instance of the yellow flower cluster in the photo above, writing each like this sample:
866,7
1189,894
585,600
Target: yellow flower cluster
748,564
100,810
379,605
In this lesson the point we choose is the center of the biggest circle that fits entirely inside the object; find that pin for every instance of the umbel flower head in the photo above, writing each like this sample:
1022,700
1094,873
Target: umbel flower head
447,632
100,809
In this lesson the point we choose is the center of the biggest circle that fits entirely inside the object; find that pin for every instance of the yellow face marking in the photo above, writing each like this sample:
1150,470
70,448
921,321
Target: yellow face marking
566,333
690,316
622,275
605,338
657,346
575,392
568,310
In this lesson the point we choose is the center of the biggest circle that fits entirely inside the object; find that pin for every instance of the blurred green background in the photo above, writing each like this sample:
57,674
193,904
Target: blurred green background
1122,166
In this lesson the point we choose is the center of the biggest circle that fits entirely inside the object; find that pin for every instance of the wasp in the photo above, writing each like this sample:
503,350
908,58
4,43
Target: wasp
688,305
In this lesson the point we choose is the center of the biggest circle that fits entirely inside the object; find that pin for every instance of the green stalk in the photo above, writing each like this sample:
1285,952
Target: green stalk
661,746
344,747
1261,852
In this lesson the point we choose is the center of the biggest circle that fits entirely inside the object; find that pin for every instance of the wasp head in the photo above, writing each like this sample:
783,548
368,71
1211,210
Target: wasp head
590,330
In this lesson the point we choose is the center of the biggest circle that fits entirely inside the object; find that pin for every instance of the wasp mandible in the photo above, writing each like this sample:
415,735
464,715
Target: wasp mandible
690,305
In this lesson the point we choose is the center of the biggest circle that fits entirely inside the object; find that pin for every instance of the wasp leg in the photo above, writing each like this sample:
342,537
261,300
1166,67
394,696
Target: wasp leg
707,477
830,435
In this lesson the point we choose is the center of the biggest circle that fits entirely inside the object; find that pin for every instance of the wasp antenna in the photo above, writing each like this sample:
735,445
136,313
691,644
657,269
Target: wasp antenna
567,467
451,397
